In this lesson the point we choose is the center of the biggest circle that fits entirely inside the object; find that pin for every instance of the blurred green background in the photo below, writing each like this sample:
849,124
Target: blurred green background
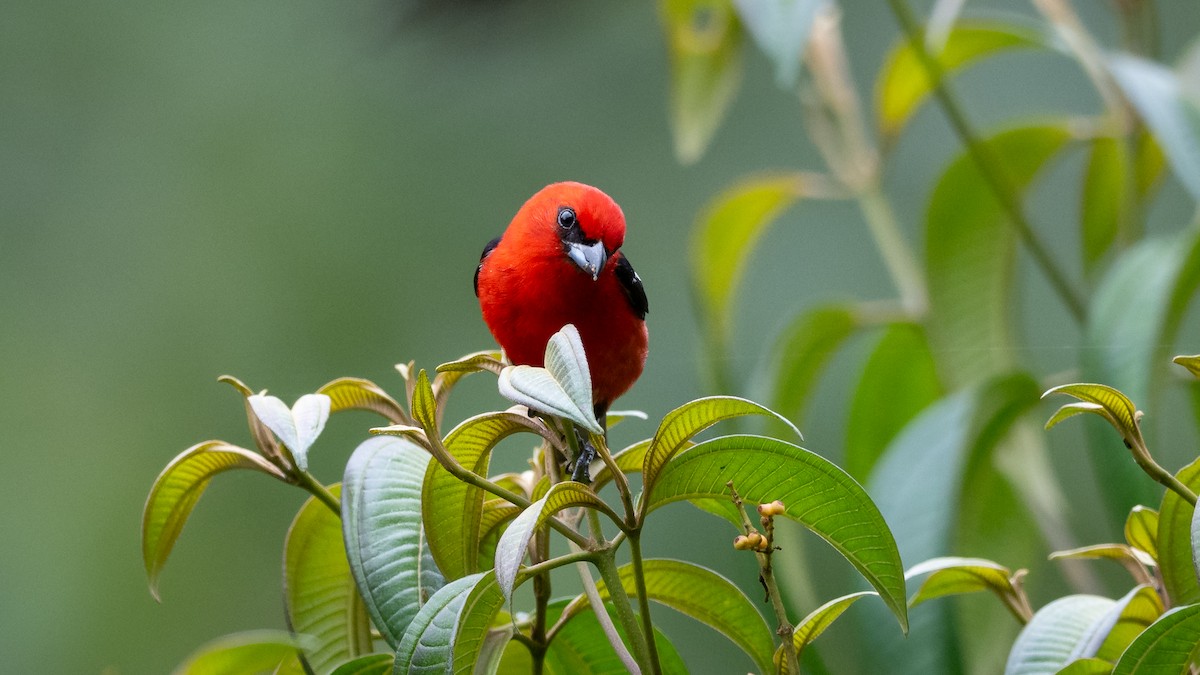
294,191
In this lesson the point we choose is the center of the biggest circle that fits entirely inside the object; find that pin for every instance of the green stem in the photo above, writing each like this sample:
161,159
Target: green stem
639,579
314,487
1141,454
897,256
460,472
786,629
989,165
620,600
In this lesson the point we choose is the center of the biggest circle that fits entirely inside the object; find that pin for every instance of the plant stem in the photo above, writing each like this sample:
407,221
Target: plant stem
639,579
1141,454
619,478
606,624
767,576
460,472
620,599
899,258
989,166
314,487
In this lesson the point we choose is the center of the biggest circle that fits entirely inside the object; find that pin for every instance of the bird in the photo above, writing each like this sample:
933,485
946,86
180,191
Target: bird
560,262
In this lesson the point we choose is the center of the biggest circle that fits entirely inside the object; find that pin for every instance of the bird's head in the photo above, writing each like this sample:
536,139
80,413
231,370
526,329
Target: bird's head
584,224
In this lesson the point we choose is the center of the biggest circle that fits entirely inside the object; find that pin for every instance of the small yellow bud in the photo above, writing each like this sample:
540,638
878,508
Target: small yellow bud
775,508
741,543
756,540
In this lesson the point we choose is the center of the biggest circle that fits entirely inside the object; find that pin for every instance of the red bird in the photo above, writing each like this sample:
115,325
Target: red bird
560,262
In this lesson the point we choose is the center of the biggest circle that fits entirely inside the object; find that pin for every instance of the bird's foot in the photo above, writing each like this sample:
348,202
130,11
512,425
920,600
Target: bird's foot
587,453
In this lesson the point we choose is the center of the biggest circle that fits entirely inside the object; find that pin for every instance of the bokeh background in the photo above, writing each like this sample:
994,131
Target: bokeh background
294,191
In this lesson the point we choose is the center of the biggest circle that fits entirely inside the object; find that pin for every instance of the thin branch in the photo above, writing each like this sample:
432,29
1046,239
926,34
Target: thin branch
988,164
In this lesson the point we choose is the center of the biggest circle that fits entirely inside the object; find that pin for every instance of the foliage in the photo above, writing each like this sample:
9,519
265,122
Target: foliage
425,569
941,427
412,563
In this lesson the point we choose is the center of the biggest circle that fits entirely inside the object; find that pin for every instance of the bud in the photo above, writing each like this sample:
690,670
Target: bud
741,543
775,508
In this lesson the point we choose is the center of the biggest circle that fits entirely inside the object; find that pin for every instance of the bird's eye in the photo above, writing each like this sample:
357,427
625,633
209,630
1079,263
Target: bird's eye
566,218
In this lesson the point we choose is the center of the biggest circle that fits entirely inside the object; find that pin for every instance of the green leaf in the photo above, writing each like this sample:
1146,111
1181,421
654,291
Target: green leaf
681,424
264,440
1103,198
1105,400
451,508
1047,642
903,84
296,428
496,515
176,491
452,632
428,644
701,594
704,43
1130,558
580,646
510,551
723,238
1168,646
353,393
385,542
1090,666
804,348
563,388
1192,363
1128,617
489,360
371,664
1168,110
248,652
920,485
811,626
424,405
898,381
1141,530
815,492
1134,317
320,597
781,28
955,576
970,263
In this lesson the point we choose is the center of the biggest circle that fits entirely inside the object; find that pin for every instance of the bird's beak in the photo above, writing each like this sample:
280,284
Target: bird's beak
589,257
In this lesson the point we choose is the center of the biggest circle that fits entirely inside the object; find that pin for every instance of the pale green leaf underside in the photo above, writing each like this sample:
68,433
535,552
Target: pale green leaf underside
385,542
1048,641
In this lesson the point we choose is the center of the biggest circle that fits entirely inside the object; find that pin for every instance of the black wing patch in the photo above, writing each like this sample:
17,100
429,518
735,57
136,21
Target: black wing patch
491,245
631,283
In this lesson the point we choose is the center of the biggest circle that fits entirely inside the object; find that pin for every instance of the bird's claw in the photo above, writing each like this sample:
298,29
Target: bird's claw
587,453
